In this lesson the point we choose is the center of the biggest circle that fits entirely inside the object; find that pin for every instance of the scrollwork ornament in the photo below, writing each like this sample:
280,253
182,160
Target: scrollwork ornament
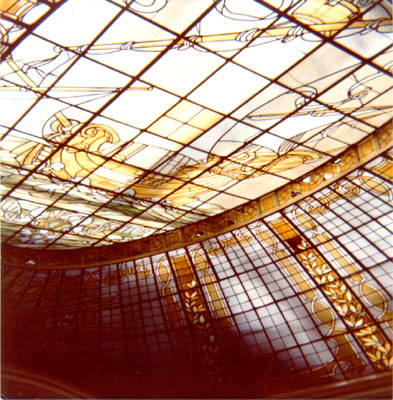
112,277
248,35
375,185
316,178
285,194
313,207
244,237
10,209
191,42
364,3
267,238
140,271
346,189
213,249
348,159
385,137
374,26
305,221
147,6
293,33
250,210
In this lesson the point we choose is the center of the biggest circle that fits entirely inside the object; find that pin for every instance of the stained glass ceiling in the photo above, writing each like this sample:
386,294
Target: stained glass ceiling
123,119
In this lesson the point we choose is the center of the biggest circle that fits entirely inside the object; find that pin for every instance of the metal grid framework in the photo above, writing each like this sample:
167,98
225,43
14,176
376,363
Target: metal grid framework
183,118
308,288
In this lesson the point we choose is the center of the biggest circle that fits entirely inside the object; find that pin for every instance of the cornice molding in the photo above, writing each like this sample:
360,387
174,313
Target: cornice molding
354,157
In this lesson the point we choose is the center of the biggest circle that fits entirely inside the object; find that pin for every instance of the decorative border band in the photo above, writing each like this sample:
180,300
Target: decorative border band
357,155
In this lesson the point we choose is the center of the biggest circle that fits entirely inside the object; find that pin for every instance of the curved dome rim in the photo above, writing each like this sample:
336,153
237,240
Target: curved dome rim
85,257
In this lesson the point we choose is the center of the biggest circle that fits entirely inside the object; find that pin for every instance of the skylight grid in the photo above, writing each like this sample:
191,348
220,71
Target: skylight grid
185,117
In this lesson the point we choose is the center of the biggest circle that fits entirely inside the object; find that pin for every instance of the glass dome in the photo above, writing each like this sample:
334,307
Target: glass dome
196,199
